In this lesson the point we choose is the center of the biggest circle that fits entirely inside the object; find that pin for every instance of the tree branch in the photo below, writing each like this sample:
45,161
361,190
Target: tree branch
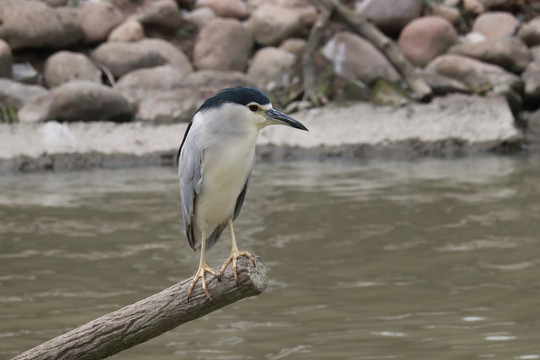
362,26
152,316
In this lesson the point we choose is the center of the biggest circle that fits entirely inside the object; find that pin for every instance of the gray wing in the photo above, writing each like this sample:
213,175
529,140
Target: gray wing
213,238
189,159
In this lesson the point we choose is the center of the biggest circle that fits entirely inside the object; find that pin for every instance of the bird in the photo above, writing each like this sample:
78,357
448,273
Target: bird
215,162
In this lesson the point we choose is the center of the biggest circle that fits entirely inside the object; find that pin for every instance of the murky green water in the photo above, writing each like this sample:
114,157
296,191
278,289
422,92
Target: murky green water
432,259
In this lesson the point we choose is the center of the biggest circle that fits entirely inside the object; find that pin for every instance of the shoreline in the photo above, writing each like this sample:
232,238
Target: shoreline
454,125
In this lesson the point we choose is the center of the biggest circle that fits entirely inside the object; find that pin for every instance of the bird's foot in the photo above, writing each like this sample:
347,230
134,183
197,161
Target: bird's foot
201,275
233,258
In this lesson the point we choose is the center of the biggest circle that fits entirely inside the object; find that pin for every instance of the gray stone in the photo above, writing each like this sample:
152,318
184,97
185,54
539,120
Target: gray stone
218,79
33,24
25,72
495,24
77,101
177,105
6,60
480,76
389,15
425,38
507,52
343,49
530,32
163,13
120,58
295,46
97,19
145,83
270,24
170,53
223,44
65,66
129,31
226,8
16,94
200,17
272,69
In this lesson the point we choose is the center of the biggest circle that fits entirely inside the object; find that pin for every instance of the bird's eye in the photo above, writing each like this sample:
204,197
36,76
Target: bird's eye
253,108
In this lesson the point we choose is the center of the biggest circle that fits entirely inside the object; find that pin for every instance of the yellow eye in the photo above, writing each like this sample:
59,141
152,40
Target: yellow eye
253,108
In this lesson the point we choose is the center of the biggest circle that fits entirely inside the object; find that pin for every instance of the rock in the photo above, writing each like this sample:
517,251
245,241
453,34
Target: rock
56,3
162,13
121,58
389,15
295,46
226,8
6,60
145,83
33,24
223,44
480,77
129,31
218,79
272,69
172,55
343,49
442,85
425,38
25,72
174,106
495,24
530,32
531,77
16,94
270,24
450,13
66,66
77,101
473,6
535,53
532,131
507,52
200,17
97,19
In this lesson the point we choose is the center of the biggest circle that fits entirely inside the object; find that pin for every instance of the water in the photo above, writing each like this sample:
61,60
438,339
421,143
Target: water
431,259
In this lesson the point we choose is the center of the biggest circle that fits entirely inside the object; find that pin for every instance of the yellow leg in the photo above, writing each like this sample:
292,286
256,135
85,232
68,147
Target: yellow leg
235,254
203,268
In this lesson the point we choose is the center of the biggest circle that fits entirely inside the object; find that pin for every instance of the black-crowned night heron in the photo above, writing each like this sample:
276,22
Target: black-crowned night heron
215,161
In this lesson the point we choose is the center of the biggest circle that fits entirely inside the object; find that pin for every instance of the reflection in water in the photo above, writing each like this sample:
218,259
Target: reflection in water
374,260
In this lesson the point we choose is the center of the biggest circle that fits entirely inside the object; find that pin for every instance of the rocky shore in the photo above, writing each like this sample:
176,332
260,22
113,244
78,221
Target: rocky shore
99,83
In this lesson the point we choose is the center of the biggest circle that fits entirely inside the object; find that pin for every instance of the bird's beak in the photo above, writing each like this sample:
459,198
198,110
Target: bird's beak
280,118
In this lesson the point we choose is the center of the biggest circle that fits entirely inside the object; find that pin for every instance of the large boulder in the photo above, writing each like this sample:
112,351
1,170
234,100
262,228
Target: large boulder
272,69
425,38
495,24
162,13
508,52
121,58
97,19
530,32
226,8
223,44
16,94
343,49
78,101
33,24
145,83
65,66
270,24
6,60
129,31
390,15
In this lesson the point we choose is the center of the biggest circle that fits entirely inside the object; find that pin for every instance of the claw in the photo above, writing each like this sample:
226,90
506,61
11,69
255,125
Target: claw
234,256
201,275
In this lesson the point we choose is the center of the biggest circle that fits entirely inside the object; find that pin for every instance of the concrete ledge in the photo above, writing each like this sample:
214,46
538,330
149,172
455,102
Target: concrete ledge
455,124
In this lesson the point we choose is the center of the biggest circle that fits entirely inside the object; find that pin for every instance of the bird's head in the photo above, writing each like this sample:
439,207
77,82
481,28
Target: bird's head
246,106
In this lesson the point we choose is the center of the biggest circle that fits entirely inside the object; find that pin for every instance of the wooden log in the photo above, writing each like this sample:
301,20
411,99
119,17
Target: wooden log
363,27
152,316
